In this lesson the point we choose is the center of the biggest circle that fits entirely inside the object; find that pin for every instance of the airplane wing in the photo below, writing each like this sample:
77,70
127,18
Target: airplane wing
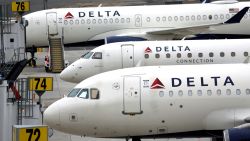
200,28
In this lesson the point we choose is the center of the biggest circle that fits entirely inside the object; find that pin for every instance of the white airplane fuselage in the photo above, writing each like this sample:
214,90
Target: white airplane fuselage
155,100
76,25
151,53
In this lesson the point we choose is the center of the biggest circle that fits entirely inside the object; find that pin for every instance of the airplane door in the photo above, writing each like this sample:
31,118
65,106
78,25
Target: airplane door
131,95
138,20
52,23
127,56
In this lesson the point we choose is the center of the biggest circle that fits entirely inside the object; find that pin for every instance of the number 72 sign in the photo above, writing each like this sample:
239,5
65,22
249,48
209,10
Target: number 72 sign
41,84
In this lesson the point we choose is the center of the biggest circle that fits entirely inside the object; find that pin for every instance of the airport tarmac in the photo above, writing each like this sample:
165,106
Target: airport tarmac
62,88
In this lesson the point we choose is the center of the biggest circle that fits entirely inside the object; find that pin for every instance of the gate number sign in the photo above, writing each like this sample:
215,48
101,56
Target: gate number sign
41,84
32,133
20,6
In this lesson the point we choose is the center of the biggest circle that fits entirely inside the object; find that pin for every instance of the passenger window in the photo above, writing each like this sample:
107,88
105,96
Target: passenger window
116,20
94,93
122,20
193,17
146,56
87,55
209,92
82,21
128,20
97,55
199,93
178,55
233,54
204,17
218,92
222,54
211,54
100,21
210,17
157,19
189,55
175,18
228,91
227,16
180,92
221,16
169,18
105,21
187,18
88,21
238,92
71,22
200,55
198,17
110,20
215,17
171,93
77,21
164,18
65,22
94,21
83,94
247,91
190,93
168,55
181,18
148,19
246,54
157,55
74,92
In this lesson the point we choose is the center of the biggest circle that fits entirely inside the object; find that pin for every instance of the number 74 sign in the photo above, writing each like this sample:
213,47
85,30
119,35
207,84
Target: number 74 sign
41,84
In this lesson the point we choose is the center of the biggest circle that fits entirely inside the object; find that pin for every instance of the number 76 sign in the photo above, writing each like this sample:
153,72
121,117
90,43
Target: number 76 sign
41,84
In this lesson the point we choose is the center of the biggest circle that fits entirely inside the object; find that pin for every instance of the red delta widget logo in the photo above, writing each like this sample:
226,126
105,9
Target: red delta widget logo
148,50
68,16
157,84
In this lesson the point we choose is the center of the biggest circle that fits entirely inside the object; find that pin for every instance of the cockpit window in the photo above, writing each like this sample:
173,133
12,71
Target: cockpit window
74,92
97,55
87,55
94,93
83,94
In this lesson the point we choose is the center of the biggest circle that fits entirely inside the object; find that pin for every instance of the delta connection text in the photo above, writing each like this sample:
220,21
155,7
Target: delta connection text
181,48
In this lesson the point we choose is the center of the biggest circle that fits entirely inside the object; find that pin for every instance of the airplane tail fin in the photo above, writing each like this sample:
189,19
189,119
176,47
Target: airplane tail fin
237,17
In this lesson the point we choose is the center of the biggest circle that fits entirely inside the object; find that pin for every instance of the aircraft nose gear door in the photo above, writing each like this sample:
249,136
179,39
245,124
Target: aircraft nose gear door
127,56
132,95
52,23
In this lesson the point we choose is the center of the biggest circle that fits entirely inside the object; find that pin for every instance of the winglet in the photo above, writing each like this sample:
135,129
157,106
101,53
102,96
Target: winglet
237,17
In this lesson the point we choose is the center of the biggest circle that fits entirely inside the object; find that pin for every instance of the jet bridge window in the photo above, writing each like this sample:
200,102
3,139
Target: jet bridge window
94,93
97,55
84,93
74,92
87,55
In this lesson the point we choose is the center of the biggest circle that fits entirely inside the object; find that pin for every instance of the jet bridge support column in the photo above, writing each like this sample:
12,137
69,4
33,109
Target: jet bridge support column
3,112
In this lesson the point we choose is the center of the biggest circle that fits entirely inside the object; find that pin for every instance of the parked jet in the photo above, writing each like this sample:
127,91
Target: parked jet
156,101
78,25
150,53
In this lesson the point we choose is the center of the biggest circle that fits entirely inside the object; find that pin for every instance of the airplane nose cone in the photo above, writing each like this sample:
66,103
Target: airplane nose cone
68,74
52,115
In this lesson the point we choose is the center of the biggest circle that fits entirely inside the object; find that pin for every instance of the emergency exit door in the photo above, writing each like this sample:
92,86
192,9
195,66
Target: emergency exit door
138,20
131,95
52,23
127,56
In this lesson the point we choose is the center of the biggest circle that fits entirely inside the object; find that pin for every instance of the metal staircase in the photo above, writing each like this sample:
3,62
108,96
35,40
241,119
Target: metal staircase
56,54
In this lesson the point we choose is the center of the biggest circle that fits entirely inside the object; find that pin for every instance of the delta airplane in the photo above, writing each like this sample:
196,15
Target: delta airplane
78,25
150,53
157,101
